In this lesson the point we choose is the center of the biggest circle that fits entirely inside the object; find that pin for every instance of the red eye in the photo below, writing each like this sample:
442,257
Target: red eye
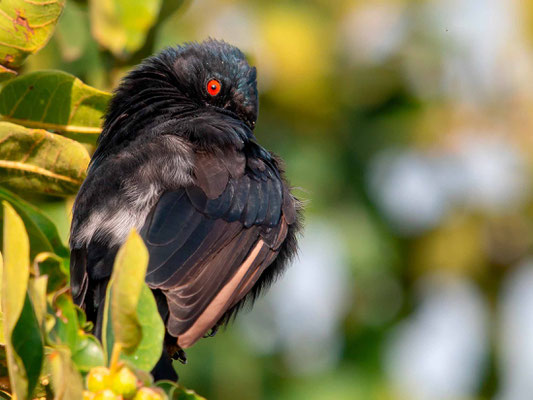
213,87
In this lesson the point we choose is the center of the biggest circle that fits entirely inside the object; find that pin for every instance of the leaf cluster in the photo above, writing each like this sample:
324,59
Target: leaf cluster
49,123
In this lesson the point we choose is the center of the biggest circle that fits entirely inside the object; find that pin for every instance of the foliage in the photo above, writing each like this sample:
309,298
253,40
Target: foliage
56,101
26,28
131,320
45,339
121,25
39,161
36,323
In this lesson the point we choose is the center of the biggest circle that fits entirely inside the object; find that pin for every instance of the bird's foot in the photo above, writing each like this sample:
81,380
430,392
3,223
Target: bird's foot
212,332
180,356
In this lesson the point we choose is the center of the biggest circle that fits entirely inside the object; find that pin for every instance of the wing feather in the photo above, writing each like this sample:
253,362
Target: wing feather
207,252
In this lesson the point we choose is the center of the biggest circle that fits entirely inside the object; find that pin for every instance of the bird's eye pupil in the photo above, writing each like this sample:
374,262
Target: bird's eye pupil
213,87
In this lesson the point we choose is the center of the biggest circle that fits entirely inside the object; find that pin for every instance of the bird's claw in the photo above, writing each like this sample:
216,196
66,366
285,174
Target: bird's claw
212,332
180,356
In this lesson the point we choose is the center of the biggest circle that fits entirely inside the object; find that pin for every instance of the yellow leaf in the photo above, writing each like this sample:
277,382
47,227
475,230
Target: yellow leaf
39,161
122,25
67,383
25,27
14,284
127,282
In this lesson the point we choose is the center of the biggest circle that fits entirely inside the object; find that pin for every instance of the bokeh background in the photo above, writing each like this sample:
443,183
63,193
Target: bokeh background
406,127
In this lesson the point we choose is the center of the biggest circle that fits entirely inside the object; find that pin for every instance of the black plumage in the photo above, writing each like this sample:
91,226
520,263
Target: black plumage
177,159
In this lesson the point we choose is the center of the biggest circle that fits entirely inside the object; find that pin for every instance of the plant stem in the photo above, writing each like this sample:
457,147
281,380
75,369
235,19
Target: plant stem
117,347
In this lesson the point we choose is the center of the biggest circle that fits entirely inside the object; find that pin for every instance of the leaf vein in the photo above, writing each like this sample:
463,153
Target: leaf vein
44,3
30,150
37,170
2,12
89,130
17,103
50,98
76,106
21,48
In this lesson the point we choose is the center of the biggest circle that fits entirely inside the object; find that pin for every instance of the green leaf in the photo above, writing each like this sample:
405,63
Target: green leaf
148,352
37,292
121,26
21,325
4,375
66,380
6,73
72,33
42,232
131,317
87,326
127,281
88,353
2,339
169,7
85,349
40,161
51,266
177,392
28,345
15,278
65,330
25,27
149,349
56,101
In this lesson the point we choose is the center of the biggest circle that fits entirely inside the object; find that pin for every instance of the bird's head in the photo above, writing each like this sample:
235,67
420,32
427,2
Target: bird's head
205,91
216,75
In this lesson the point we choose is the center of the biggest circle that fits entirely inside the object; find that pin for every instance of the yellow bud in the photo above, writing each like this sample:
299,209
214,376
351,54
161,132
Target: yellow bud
99,378
88,395
107,394
124,382
148,394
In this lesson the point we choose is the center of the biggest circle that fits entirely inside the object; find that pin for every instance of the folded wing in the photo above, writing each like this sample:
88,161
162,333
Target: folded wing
209,243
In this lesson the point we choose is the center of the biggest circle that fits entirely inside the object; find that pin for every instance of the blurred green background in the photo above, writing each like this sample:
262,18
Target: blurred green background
406,128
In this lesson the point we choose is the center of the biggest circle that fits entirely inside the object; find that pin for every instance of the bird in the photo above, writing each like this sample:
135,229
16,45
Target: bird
178,161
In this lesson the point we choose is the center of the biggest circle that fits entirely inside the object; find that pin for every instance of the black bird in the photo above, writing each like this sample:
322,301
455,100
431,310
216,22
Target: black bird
178,161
